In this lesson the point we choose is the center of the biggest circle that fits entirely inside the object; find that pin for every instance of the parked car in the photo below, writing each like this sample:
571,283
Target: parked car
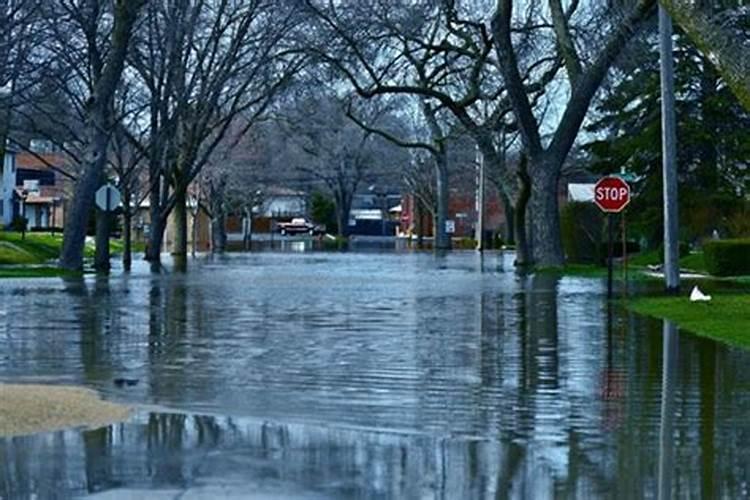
299,226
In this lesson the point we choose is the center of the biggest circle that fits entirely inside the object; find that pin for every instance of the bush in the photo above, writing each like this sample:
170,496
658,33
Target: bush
19,224
727,257
465,243
582,230
684,250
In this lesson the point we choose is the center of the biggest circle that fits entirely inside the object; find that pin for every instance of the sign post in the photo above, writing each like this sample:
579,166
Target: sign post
611,195
107,199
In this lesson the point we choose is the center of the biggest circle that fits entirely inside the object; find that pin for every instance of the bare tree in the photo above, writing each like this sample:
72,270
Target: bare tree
204,64
324,144
20,35
584,77
105,45
435,144
442,52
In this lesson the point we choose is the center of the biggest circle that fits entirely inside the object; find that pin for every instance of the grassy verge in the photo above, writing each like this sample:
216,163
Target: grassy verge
34,272
30,256
693,262
726,318
592,271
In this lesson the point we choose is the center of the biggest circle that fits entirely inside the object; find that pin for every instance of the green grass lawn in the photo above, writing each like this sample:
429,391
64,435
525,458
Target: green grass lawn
36,248
592,271
34,272
693,262
726,318
35,252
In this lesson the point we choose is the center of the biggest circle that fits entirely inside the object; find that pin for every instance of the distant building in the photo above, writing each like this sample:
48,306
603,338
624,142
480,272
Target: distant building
372,213
462,211
282,203
42,189
278,204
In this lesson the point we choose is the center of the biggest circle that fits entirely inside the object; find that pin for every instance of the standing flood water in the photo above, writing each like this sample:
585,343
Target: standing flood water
371,376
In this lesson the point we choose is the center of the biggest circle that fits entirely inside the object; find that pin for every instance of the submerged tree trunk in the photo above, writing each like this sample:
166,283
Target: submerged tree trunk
418,226
442,238
127,234
74,233
509,233
155,238
180,248
343,206
218,233
102,256
547,240
524,257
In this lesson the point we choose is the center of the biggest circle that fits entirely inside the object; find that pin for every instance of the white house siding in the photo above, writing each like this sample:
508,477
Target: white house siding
8,186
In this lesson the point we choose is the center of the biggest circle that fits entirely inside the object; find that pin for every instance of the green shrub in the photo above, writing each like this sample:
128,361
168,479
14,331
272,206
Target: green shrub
727,257
19,224
464,243
581,226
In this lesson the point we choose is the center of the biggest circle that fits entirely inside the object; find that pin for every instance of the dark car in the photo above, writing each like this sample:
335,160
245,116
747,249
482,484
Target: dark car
299,226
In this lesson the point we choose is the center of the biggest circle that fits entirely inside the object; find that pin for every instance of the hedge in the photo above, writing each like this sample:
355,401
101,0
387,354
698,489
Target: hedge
727,257
582,230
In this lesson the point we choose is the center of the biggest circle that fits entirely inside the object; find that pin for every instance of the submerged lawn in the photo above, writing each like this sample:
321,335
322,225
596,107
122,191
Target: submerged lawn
726,318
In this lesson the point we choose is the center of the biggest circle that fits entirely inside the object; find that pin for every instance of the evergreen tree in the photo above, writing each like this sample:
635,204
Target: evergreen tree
713,138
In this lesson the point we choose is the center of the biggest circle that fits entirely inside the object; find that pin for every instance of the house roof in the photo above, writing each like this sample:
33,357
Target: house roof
281,191
42,161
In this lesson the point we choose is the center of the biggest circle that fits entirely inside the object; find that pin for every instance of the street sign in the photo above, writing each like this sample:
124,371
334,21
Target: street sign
611,194
450,226
108,198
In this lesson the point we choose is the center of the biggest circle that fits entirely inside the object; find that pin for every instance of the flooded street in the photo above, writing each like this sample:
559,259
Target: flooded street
370,375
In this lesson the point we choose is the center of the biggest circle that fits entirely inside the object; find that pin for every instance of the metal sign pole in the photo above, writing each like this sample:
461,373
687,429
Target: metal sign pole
625,252
611,222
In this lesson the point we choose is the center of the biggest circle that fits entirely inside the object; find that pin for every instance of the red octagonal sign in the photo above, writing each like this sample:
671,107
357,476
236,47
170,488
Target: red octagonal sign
611,194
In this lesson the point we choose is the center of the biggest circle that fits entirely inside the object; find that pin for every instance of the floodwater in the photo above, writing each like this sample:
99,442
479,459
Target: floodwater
370,375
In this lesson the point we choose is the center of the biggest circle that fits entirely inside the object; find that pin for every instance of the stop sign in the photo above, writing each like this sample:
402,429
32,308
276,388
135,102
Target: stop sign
611,194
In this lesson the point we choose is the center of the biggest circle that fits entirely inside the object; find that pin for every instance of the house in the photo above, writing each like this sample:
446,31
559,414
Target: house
462,211
42,188
198,226
278,204
8,183
282,203
371,212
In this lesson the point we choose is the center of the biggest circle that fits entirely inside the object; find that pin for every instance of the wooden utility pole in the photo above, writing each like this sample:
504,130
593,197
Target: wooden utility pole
669,154
480,201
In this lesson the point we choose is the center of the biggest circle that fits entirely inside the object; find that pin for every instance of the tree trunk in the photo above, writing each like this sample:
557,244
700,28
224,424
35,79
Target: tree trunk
509,233
102,256
74,234
127,234
155,238
180,249
523,251
247,223
547,251
218,233
442,238
343,207
418,226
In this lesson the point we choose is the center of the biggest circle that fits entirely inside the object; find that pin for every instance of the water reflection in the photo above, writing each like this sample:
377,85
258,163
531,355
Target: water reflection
373,376
666,429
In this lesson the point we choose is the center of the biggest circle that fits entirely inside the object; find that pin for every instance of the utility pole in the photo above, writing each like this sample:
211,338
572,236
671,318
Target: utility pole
669,154
480,201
